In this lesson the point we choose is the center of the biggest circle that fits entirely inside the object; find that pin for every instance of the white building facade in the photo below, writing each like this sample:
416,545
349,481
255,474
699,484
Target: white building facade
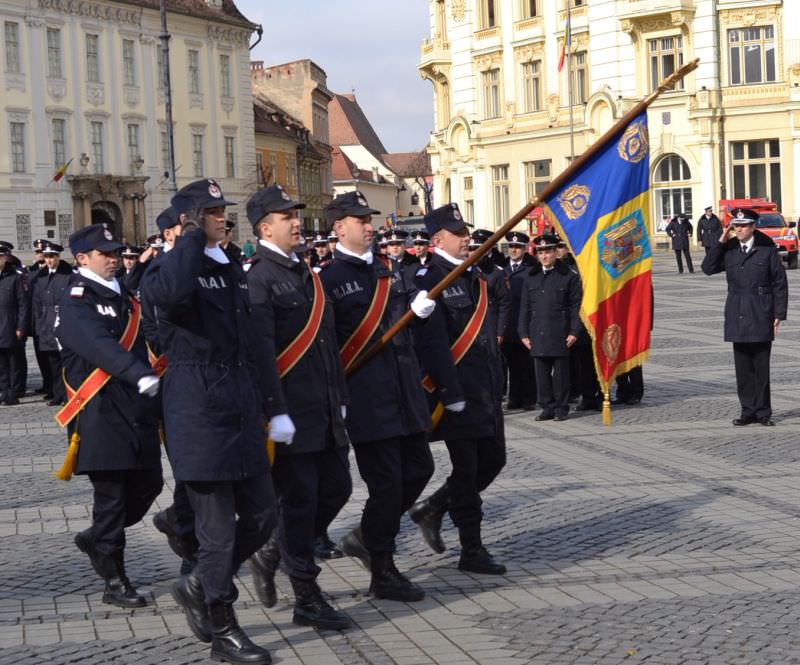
83,80
732,130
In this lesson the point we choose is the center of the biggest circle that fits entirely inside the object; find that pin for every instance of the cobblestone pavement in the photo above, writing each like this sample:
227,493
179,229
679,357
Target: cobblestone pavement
670,538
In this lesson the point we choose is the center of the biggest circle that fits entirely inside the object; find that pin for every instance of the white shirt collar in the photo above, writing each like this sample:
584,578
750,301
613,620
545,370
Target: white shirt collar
217,254
447,257
112,283
367,256
749,244
278,250
166,248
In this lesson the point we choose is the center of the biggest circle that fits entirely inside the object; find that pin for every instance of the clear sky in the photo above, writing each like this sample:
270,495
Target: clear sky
372,47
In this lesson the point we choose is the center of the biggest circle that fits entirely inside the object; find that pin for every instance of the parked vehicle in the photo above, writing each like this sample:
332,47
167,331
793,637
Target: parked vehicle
770,222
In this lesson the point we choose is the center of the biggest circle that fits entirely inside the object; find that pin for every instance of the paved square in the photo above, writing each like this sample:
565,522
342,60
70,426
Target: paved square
670,538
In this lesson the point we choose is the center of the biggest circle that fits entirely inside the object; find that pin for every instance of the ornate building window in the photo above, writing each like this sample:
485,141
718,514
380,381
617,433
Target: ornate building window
225,75
59,131
751,52
531,86
128,62
673,192
93,58
490,84
529,8
23,224
489,14
500,190
17,135
54,65
133,145
469,200
537,177
230,157
96,133
666,56
580,78
161,66
441,20
756,169
193,58
198,161
11,34
444,103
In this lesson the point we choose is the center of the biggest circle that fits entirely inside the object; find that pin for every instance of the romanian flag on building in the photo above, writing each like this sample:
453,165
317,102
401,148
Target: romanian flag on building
62,171
603,212
567,42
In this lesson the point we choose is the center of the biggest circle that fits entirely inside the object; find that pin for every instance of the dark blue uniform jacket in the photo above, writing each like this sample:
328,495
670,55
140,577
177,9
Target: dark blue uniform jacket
47,292
14,305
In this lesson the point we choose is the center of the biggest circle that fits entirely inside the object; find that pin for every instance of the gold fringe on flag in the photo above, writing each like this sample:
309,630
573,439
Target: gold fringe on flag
607,409
71,460
271,451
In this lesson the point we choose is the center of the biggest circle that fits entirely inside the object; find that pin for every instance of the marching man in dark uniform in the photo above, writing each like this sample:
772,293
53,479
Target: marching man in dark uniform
113,416
214,415
521,380
388,415
709,229
49,285
758,297
459,350
549,325
14,316
399,259
680,230
312,477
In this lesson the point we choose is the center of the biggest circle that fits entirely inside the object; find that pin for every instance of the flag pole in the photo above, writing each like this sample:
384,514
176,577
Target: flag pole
548,191
570,84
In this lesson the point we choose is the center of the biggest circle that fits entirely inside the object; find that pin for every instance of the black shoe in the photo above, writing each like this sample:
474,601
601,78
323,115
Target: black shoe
389,583
353,545
184,546
478,560
545,415
766,422
103,565
120,592
741,422
325,548
188,593
264,564
311,608
229,642
187,566
56,402
428,517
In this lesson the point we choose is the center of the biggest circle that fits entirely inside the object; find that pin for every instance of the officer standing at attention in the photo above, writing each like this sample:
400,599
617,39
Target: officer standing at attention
214,418
549,325
49,285
459,351
44,366
709,229
521,380
14,316
680,230
758,297
311,476
422,243
114,421
388,415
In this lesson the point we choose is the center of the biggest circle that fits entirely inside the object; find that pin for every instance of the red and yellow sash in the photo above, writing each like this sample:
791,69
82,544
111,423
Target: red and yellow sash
78,399
158,363
297,348
369,324
468,336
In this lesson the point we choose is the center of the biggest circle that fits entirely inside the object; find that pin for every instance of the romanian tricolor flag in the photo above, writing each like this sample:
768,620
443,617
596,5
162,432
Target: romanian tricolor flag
566,45
62,171
603,212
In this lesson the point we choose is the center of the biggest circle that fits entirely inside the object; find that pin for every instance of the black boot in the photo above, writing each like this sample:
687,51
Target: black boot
229,642
311,608
428,516
104,566
353,545
474,556
325,548
388,582
167,523
263,565
188,593
119,591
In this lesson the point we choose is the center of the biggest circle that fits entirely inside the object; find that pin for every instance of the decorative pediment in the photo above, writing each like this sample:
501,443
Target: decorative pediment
458,8
534,51
488,60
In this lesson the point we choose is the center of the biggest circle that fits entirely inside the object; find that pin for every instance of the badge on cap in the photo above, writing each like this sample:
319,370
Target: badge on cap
361,200
213,189
740,215
107,234
456,215
285,196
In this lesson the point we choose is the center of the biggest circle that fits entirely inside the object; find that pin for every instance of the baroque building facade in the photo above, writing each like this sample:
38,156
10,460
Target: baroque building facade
502,108
84,80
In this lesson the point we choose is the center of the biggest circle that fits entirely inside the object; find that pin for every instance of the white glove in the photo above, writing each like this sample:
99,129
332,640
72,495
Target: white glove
148,385
456,407
281,429
344,411
422,306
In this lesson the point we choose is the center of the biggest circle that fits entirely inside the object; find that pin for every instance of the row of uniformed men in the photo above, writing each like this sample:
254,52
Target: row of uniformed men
274,344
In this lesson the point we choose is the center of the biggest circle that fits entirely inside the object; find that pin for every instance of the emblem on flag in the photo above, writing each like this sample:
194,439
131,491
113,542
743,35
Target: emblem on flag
574,200
635,143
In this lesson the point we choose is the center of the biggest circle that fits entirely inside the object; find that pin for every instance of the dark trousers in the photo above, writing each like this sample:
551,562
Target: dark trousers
225,541
312,488
630,385
751,360
688,256
588,386
184,514
53,361
396,471
552,382
8,364
44,367
521,382
121,499
476,463
20,369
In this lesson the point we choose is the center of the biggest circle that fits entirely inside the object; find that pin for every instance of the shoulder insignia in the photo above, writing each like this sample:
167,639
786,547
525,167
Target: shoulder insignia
76,292
422,272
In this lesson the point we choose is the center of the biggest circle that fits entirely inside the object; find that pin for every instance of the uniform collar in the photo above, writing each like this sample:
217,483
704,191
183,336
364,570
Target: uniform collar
367,257
274,248
111,284
217,254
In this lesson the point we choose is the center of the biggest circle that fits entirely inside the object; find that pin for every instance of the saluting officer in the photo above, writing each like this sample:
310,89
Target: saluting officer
214,416
14,317
311,476
459,350
521,381
549,325
116,428
49,284
388,415
758,297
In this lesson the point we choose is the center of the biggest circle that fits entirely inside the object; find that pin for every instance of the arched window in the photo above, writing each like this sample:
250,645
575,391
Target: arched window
672,189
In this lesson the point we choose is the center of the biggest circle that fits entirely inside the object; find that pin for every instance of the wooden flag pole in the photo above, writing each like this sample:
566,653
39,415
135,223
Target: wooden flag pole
554,186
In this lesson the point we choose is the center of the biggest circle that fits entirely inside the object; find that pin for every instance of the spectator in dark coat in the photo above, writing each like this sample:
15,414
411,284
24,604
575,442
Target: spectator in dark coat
680,230
14,317
709,229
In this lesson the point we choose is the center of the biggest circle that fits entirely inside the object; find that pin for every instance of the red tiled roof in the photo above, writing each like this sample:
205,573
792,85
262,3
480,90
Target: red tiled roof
227,13
409,164
348,125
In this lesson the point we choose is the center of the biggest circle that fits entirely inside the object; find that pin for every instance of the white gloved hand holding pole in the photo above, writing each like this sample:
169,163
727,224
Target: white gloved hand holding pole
281,429
148,385
456,407
423,306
